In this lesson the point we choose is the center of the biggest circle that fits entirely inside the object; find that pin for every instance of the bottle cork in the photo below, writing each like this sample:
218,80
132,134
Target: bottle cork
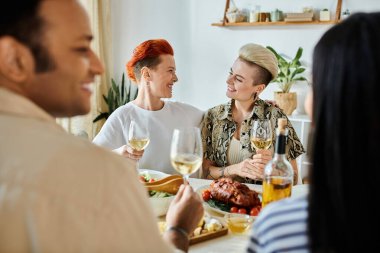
281,122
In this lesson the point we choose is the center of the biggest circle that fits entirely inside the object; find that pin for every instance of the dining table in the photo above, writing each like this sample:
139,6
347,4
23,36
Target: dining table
229,242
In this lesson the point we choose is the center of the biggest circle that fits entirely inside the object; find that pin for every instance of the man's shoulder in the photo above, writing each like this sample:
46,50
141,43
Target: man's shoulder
76,149
93,153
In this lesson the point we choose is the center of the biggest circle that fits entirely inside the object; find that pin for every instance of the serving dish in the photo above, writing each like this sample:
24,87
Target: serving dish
200,190
160,205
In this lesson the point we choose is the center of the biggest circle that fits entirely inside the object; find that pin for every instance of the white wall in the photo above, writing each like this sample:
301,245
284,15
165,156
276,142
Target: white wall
134,21
205,53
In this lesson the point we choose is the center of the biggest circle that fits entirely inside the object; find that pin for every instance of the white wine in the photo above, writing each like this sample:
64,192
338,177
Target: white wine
259,143
186,163
278,173
139,144
275,189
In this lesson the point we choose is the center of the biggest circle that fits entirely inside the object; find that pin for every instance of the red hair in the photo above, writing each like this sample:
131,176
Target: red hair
147,55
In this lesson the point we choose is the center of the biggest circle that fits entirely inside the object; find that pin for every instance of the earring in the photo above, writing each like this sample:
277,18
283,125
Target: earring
254,96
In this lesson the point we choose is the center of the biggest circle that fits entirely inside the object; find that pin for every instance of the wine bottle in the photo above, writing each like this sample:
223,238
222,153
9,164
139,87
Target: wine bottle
278,173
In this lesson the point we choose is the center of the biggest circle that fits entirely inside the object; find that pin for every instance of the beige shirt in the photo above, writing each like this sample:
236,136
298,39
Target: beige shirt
59,193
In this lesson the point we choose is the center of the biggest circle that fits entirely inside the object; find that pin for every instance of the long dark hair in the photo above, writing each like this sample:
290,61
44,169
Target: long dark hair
345,178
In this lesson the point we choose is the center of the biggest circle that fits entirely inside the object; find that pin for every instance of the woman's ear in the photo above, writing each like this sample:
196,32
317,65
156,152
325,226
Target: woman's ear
260,88
146,74
16,60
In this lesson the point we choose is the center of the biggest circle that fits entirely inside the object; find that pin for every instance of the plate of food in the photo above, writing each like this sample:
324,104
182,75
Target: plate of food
225,196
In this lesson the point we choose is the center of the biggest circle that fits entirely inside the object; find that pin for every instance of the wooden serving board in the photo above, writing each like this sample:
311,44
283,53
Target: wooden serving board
208,236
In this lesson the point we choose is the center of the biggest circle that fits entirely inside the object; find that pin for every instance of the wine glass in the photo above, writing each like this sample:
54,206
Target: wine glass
186,151
261,134
138,137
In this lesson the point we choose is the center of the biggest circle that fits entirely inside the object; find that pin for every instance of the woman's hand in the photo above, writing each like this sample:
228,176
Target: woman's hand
129,152
253,168
261,159
247,169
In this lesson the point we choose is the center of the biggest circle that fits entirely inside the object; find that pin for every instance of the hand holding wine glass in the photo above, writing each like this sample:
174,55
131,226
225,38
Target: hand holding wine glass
186,151
261,141
261,134
138,137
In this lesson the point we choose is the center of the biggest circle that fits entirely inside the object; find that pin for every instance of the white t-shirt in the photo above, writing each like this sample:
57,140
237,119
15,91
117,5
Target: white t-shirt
160,125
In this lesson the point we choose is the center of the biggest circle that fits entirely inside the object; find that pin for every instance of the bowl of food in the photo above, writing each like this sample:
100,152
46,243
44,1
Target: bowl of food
160,200
147,176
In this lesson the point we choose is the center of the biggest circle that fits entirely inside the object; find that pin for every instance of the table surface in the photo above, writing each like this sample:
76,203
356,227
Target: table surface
229,242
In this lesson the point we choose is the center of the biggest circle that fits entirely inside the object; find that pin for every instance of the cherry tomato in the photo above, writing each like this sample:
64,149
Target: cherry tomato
234,209
254,211
151,180
242,211
206,195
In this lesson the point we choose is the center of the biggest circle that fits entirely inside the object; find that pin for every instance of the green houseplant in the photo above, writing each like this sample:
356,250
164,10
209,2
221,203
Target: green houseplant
117,96
290,71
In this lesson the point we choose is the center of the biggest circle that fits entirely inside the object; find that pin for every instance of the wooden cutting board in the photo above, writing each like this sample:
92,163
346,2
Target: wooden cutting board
201,237
208,236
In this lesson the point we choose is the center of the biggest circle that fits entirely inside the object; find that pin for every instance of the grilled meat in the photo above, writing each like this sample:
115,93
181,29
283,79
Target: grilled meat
232,192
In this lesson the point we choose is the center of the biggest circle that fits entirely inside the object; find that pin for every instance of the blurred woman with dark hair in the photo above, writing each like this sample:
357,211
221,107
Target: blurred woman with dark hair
153,68
341,213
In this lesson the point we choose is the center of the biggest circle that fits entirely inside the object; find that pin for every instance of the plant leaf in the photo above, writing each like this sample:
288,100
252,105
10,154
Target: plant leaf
117,96
298,54
103,115
288,70
122,88
105,99
110,101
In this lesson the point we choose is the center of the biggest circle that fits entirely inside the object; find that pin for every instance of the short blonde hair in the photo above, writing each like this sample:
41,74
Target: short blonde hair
261,56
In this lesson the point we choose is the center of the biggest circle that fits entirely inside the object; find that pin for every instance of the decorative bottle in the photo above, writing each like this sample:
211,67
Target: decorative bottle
278,173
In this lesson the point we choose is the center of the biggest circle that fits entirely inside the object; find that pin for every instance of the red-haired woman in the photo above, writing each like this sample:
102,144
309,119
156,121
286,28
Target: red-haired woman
153,68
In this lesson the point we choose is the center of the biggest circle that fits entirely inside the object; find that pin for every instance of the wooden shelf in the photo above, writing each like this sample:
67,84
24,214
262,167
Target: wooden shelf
281,23
276,23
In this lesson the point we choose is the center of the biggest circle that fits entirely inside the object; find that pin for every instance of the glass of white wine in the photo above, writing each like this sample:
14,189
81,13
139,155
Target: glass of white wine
261,134
186,151
138,137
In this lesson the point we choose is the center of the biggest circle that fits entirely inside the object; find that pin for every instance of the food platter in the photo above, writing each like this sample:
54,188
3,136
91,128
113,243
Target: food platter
216,210
206,231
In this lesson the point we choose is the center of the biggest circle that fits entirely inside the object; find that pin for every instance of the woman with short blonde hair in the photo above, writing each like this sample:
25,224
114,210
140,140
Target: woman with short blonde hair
226,128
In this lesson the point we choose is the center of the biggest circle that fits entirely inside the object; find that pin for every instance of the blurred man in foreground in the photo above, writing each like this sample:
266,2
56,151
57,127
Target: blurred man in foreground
57,192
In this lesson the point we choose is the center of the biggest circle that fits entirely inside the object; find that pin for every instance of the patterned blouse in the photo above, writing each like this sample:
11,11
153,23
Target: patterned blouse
218,128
